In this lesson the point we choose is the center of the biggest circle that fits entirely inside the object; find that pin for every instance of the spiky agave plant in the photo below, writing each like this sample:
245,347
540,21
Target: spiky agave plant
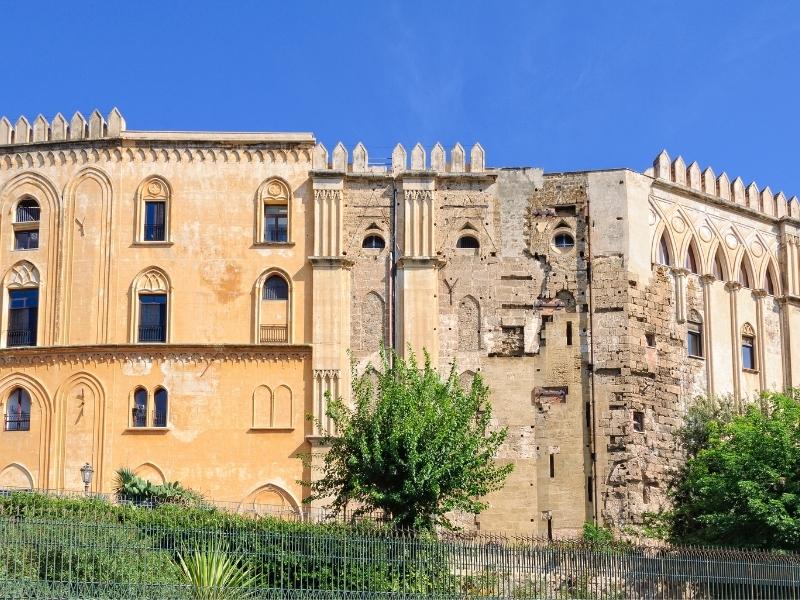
213,575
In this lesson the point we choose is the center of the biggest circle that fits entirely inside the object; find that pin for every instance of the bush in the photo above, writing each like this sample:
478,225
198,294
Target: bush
129,551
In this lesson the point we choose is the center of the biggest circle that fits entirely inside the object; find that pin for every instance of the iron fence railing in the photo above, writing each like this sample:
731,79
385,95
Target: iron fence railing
92,549
20,421
21,337
152,334
271,334
154,233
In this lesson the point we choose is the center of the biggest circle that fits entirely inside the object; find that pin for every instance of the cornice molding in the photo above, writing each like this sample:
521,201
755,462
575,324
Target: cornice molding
188,353
111,152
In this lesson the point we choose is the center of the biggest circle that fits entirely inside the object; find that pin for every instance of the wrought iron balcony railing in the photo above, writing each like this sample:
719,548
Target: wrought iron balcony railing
159,419
138,417
152,334
154,233
18,422
21,337
274,334
28,214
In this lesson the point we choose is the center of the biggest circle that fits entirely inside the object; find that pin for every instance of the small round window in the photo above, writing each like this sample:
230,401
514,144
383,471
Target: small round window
467,241
563,241
374,242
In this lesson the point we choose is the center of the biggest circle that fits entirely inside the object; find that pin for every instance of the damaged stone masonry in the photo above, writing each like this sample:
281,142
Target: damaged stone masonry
596,305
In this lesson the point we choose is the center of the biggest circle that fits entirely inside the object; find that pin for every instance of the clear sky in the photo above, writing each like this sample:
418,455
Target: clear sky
561,85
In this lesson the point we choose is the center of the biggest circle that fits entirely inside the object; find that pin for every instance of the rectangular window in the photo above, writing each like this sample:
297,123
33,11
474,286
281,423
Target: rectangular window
23,316
569,333
276,223
154,221
748,353
552,465
26,239
589,489
152,318
650,339
694,340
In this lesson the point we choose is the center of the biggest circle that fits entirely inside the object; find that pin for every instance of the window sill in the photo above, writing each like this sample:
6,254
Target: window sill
24,249
273,244
696,357
159,244
267,429
147,429
752,371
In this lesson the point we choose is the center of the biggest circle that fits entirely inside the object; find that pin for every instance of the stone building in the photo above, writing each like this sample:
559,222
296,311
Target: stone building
177,302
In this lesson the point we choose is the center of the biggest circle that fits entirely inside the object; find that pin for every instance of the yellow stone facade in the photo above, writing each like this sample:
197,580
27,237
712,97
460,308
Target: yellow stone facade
197,294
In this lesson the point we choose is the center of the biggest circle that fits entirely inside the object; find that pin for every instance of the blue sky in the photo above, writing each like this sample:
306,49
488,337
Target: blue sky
561,85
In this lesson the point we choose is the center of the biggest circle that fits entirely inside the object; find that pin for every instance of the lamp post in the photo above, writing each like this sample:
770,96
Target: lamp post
86,475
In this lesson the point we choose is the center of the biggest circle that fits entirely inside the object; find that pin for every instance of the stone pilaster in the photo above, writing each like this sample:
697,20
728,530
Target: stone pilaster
706,281
733,288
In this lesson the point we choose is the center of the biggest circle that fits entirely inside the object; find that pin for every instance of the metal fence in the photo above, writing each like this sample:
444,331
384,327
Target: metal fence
78,548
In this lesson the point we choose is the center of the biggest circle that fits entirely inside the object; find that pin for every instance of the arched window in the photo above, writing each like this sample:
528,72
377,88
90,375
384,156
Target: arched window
160,408
718,271
276,288
22,317
139,408
748,348
26,224
769,284
563,241
151,308
664,257
153,206
27,211
18,411
691,260
273,202
744,273
373,242
468,242
273,310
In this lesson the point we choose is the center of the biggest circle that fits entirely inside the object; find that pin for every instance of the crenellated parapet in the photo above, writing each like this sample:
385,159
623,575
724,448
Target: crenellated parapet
358,162
761,200
59,129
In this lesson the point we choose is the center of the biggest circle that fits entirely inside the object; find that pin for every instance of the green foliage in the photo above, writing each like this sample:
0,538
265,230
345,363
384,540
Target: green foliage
741,487
597,534
131,487
413,445
132,551
214,575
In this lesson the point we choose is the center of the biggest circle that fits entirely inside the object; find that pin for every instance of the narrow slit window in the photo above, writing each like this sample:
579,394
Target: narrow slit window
569,333
638,421
552,465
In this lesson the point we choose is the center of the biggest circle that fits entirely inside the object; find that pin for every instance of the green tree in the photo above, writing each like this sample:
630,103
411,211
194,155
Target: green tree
741,487
412,445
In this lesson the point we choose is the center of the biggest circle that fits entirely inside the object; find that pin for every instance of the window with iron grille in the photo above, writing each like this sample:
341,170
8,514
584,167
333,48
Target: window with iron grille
160,407
152,318
155,221
23,316
18,411
139,410
276,288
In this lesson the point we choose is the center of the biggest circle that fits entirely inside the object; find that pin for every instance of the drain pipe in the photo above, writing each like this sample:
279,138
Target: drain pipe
592,402
393,270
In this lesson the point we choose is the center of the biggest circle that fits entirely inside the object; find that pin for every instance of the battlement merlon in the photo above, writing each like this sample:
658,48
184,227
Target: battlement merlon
340,161
22,134
722,188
